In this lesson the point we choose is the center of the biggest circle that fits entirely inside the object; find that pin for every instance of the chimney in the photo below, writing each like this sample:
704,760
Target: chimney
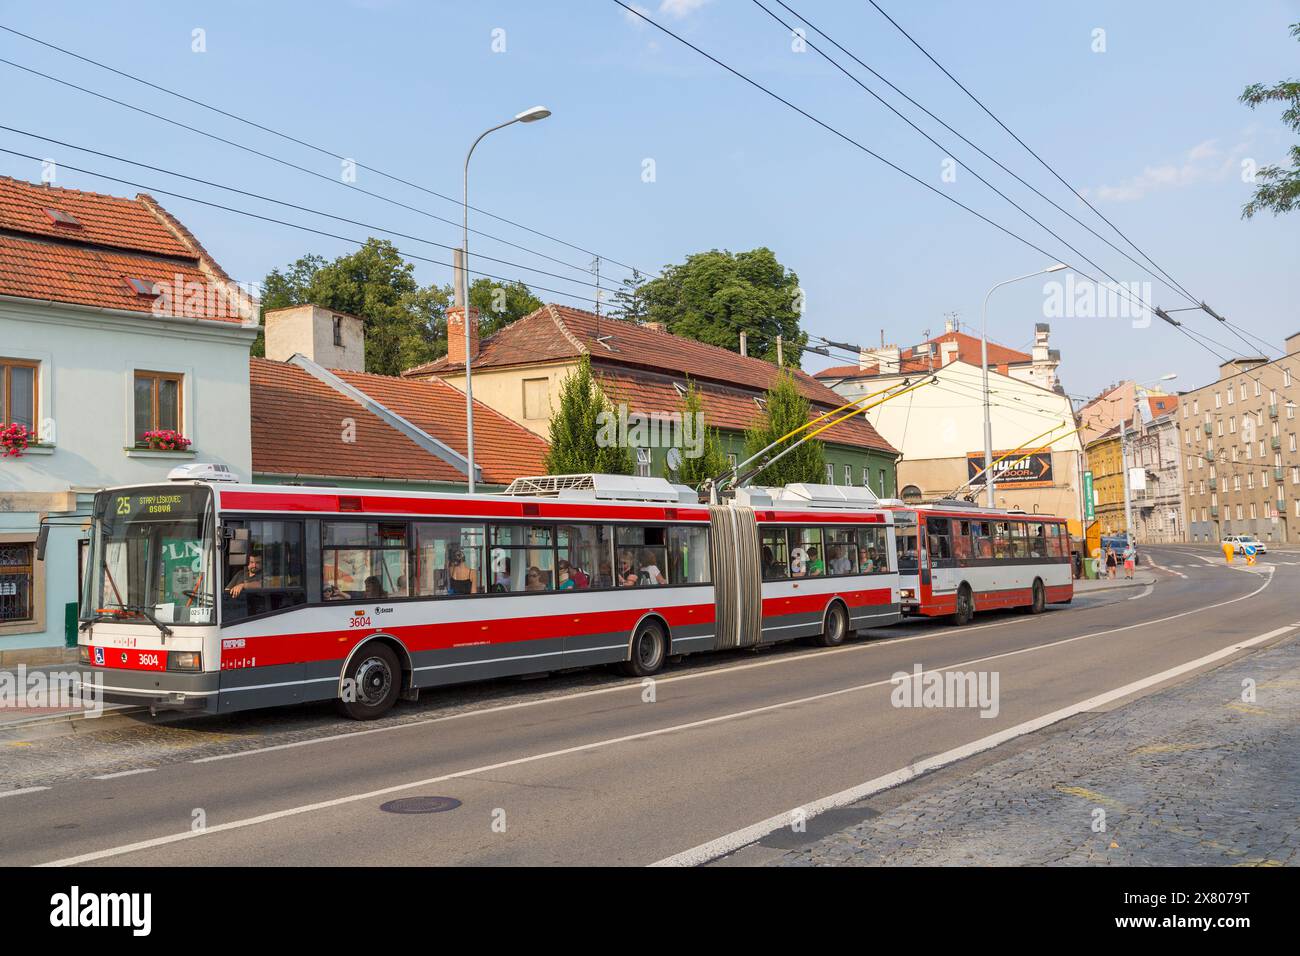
456,334
949,326
655,327
887,357
331,339
744,344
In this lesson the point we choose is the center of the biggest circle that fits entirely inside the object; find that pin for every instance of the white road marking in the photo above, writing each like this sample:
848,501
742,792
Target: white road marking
743,837
124,773
624,686
17,793
1145,592
608,742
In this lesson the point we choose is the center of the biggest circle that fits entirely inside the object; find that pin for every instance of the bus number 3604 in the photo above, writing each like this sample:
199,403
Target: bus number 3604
359,622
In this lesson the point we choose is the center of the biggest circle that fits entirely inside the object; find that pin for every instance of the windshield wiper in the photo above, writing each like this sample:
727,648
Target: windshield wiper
148,615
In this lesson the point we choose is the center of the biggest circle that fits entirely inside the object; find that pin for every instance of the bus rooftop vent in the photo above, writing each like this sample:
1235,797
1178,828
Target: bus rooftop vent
202,471
827,496
601,487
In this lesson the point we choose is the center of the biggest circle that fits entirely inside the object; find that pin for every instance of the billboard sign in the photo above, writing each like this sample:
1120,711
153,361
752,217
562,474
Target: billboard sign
1030,468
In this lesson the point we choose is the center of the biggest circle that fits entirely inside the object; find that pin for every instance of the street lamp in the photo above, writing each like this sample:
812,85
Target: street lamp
984,362
527,116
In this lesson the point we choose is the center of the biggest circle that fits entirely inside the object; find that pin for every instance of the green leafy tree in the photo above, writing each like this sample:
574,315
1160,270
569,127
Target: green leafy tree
785,411
500,303
405,324
712,461
1277,187
577,425
629,300
281,289
714,296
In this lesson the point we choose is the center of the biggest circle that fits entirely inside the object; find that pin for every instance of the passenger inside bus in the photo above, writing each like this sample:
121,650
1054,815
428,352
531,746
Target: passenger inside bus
461,578
374,590
650,573
627,576
866,560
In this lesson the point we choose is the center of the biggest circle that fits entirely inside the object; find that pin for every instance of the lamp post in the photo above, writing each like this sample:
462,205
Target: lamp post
527,116
984,363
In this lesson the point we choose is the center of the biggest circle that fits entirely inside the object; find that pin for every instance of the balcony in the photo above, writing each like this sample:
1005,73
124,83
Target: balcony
1214,511
1277,474
1276,442
1272,411
1212,484
1209,429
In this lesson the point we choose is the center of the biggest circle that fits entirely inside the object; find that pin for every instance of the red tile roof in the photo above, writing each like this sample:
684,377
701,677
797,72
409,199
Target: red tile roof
1162,404
623,349
912,361
503,450
115,240
298,429
728,408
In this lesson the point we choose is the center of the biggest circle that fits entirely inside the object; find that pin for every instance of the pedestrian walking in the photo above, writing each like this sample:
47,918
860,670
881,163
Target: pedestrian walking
1130,559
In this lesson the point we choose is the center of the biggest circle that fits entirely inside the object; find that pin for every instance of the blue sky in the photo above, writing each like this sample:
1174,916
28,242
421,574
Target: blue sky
1150,129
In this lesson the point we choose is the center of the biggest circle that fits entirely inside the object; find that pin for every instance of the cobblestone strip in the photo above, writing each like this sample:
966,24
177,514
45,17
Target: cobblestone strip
1199,774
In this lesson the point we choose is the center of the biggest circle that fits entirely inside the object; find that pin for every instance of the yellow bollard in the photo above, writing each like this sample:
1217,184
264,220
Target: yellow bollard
1227,551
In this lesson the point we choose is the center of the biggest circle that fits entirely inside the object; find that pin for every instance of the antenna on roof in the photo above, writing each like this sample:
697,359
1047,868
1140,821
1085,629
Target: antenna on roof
595,267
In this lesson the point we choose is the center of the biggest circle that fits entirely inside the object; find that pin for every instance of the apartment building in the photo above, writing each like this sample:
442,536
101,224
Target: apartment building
1238,439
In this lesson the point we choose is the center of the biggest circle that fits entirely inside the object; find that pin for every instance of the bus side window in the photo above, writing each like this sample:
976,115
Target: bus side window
872,554
448,559
688,555
776,559
268,575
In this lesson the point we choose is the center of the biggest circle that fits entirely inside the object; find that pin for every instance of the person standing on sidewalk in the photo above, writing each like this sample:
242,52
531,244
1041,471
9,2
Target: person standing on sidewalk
1130,559
1110,561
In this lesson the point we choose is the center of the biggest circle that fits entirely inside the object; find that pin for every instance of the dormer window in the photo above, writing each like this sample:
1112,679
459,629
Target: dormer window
143,287
61,218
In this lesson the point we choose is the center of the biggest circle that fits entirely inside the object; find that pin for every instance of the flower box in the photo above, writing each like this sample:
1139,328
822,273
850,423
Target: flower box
13,440
165,439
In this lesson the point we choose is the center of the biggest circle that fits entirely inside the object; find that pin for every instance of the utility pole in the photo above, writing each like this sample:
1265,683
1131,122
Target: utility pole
1123,458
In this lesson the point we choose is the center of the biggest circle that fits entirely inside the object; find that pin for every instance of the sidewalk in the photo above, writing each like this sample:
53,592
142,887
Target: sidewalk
1192,775
1140,579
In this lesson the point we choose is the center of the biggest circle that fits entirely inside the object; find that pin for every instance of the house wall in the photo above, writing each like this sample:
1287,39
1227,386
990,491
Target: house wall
503,390
88,358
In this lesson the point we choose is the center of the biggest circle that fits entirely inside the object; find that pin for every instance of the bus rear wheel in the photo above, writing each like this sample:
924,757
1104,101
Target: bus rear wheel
836,629
965,606
649,648
371,683
1039,604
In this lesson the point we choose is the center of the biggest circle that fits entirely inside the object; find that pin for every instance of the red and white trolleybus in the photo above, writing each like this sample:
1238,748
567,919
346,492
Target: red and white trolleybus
956,558
206,593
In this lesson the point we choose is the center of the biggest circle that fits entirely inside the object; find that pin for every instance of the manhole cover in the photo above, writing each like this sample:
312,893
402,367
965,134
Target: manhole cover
420,805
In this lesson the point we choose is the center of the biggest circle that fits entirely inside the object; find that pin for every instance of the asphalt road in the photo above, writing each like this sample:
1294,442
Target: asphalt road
590,768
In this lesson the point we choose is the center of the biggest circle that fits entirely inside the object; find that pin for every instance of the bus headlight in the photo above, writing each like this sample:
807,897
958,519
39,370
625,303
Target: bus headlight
83,653
184,661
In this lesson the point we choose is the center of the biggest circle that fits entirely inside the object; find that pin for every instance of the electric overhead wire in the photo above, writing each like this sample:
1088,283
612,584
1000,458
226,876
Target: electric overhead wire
312,146
291,225
294,166
282,202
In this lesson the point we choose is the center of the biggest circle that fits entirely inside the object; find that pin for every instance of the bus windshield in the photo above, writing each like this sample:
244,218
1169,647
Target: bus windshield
151,557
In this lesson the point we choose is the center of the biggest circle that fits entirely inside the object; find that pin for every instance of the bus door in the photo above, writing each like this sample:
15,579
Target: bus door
907,556
943,568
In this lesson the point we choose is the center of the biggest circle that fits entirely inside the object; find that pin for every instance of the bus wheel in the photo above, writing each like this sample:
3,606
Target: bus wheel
965,606
837,627
1040,598
649,647
371,683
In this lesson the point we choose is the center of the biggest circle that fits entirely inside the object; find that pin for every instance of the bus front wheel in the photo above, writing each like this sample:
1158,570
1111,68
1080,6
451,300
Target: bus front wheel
649,648
371,683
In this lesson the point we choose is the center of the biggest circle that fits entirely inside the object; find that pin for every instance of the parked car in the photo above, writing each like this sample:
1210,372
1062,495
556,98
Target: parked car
1239,542
1119,542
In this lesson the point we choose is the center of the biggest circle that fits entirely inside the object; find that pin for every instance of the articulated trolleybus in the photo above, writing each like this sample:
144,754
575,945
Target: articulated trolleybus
956,558
209,594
